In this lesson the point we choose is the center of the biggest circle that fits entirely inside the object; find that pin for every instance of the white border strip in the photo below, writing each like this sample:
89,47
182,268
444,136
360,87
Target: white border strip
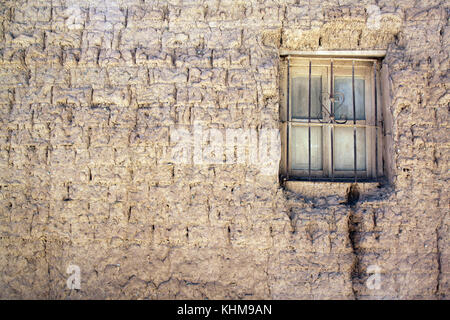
337,53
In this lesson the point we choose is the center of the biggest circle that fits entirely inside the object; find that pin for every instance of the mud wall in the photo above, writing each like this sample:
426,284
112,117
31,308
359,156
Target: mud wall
89,94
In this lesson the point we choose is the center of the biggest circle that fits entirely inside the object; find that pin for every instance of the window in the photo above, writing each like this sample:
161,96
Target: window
331,119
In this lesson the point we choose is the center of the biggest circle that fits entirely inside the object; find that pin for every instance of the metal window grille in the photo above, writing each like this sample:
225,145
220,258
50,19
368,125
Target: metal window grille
329,103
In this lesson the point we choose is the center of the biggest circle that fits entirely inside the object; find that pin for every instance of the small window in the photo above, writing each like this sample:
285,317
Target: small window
331,119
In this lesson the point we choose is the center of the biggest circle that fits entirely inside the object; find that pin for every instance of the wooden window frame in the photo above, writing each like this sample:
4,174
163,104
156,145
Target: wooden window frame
367,68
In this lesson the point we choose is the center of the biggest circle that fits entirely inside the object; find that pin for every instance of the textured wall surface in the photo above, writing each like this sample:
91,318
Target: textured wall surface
89,93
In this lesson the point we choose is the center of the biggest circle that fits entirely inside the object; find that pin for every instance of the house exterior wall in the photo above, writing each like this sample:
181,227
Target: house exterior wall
92,93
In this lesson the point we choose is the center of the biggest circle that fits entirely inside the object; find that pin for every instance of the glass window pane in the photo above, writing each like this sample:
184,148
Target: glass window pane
299,92
299,148
343,149
343,87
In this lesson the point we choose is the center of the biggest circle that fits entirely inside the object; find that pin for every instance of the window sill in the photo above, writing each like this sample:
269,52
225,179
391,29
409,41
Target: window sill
314,189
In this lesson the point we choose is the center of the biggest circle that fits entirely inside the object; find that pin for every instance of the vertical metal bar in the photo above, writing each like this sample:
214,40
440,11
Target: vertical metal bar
376,118
288,118
354,120
332,115
309,122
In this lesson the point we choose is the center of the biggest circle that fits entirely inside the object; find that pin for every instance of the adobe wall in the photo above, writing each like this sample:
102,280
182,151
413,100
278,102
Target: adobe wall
90,91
